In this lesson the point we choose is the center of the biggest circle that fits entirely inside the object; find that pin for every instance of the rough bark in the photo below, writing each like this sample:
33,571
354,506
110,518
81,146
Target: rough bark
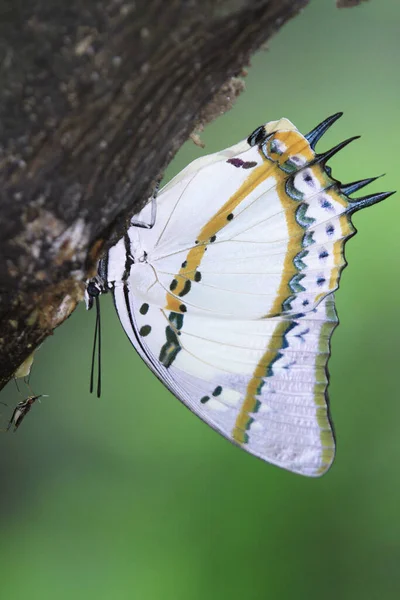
95,99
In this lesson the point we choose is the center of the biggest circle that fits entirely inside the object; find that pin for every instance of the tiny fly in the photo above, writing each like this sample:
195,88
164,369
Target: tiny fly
21,410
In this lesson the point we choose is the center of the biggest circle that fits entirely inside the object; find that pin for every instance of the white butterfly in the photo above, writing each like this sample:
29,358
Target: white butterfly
227,296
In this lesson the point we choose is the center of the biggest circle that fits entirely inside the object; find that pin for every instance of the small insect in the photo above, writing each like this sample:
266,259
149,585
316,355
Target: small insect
25,405
21,410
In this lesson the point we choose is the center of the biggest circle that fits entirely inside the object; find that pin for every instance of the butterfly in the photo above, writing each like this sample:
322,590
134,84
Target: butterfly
227,293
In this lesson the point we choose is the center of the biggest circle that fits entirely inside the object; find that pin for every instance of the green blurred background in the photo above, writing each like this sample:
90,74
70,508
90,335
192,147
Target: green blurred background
131,496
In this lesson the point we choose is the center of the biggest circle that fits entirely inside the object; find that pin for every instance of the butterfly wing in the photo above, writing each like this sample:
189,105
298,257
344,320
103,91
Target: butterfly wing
229,298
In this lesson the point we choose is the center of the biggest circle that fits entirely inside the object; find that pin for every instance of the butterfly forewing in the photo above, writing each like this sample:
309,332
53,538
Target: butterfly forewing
243,238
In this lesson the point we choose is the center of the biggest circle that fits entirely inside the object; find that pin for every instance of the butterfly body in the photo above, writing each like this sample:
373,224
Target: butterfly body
229,296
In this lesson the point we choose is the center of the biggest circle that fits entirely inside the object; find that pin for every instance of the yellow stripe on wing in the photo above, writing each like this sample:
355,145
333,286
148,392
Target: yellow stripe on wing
214,225
250,403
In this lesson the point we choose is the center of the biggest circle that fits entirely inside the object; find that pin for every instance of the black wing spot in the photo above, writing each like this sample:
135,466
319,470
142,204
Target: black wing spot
186,288
145,330
249,164
144,309
330,230
236,162
326,204
308,179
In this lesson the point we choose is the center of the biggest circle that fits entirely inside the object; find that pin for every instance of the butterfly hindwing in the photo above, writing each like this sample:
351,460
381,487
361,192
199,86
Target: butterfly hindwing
262,384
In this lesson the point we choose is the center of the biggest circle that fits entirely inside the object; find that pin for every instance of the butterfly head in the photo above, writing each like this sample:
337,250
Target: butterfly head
94,288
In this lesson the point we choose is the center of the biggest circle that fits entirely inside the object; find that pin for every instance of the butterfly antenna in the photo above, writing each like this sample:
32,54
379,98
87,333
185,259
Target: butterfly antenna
94,348
98,348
